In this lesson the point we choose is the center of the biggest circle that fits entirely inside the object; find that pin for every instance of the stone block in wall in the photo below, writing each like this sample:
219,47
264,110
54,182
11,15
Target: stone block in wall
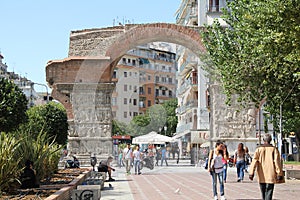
92,192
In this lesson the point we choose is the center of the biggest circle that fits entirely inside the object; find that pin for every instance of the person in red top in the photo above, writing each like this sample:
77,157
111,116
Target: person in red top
225,164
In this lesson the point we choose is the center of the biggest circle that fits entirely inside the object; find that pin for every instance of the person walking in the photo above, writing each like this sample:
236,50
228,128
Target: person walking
163,156
225,164
137,160
127,158
248,159
215,167
157,156
239,160
267,162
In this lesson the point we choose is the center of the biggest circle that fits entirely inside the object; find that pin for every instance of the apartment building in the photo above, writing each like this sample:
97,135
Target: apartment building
193,127
24,84
145,75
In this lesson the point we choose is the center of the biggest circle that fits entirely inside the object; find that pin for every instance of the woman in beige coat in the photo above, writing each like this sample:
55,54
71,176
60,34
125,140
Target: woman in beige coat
267,162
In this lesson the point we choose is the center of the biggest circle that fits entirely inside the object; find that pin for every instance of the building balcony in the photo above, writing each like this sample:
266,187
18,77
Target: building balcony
184,128
189,105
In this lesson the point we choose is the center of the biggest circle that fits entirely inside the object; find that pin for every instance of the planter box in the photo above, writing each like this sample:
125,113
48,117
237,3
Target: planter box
87,192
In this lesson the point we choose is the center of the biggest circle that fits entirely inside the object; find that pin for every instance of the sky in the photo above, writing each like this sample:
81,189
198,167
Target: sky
34,32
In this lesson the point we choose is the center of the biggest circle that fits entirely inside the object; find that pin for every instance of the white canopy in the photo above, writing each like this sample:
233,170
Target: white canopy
152,138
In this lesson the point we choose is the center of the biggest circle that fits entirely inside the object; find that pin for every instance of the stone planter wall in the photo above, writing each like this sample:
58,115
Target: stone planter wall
65,192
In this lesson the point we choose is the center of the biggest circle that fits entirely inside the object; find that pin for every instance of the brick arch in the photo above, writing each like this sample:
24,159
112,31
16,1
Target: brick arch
188,37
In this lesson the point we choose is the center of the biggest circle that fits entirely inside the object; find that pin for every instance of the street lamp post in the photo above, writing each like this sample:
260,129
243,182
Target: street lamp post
165,128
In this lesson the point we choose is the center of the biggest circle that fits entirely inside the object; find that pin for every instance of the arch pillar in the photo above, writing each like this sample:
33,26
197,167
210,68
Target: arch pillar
84,87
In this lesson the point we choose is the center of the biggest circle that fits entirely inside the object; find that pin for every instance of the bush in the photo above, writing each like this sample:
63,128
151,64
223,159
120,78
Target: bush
9,161
43,151
50,118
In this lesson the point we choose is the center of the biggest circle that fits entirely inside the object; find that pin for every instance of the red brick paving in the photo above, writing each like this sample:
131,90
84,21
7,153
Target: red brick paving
197,185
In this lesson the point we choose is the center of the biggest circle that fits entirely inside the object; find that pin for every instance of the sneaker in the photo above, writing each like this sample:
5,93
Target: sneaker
111,179
223,198
139,173
215,197
239,180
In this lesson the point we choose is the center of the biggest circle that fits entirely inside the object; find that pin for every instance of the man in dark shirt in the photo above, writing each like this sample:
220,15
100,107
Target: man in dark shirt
28,177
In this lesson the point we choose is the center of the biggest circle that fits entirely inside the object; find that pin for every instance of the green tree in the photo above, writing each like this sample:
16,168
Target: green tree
50,118
258,55
172,120
13,106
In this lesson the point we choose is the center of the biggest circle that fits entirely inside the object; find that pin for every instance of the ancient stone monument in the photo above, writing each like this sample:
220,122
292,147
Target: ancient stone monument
83,83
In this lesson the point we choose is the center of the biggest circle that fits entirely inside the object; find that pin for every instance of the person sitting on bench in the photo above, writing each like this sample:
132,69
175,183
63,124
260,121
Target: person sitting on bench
104,166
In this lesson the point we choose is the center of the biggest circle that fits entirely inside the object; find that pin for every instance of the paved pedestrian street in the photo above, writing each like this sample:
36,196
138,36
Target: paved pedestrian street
186,182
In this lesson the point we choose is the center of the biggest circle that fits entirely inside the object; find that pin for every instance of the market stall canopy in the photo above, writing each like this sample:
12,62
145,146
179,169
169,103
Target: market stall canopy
152,138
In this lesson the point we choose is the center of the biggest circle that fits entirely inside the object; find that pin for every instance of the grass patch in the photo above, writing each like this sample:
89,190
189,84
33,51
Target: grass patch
292,163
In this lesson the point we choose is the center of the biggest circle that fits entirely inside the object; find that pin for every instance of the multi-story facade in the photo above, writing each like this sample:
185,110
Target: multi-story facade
215,121
145,75
193,97
24,84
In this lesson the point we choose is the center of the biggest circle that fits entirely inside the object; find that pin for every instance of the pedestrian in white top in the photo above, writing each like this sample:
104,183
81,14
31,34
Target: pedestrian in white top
137,160
216,168
127,157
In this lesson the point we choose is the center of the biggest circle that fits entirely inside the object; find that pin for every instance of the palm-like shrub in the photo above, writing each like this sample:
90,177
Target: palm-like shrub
10,158
43,151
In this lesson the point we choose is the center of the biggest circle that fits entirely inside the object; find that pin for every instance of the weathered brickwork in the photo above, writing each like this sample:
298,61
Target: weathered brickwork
82,82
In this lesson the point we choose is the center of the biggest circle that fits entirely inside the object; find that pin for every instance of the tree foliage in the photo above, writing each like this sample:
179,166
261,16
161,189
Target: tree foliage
258,55
50,118
13,106
155,119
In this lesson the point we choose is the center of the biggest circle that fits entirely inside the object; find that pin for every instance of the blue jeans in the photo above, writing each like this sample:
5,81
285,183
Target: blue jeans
214,182
162,160
266,190
240,166
225,172
137,166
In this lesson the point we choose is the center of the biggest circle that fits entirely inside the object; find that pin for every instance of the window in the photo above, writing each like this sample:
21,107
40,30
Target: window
125,114
130,87
170,80
135,89
142,90
163,79
170,93
134,102
135,113
157,79
163,92
149,90
124,60
125,74
125,87
149,103
133,62
115,74
149,78
125,101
